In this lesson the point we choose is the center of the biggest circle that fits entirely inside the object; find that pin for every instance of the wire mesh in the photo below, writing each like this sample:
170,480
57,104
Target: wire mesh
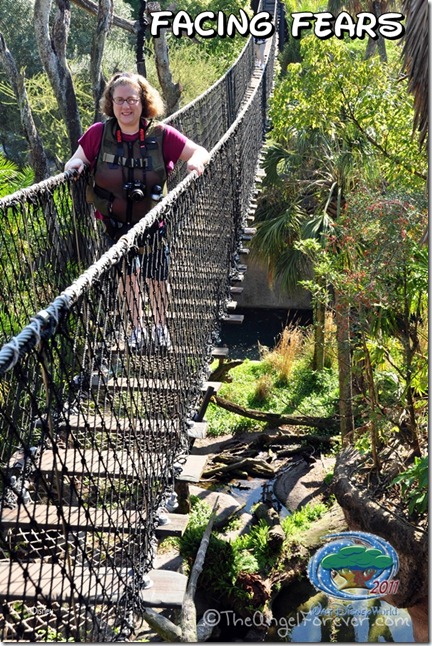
94,417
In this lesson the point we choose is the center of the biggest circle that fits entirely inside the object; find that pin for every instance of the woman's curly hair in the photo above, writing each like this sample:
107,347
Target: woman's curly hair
153,105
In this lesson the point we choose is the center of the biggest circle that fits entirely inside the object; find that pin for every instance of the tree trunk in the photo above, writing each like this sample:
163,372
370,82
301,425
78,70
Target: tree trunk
104,22
188,612
171,91
380,42
342,317
38,158
373,402
52,50
117,21
275,418
319,323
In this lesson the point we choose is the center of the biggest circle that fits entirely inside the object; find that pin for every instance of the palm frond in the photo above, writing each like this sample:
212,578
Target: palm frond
291,266
12,178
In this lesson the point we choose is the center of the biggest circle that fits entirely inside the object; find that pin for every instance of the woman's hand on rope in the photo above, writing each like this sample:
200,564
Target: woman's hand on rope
77,162
195,156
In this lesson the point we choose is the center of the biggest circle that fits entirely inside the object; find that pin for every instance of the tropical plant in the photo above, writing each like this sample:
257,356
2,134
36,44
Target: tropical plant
12,178
415,60
338,122
414,485
377,264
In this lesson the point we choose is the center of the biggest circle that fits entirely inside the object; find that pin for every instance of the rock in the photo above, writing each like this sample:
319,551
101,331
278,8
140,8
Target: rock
228,505
303,482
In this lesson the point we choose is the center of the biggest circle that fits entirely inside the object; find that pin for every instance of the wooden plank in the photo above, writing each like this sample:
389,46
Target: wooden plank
239,278
47,582
168,590
76,518
198,430
176,526
99,463
135,383
192,469
220,353
237,319
111,423
43,517
215,385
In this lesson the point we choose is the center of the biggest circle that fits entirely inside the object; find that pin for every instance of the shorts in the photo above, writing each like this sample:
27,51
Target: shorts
153,258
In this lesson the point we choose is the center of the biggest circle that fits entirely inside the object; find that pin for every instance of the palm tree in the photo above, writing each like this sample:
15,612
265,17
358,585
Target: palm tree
415,58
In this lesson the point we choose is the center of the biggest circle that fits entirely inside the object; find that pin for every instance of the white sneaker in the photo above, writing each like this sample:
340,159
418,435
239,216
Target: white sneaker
138,339
161,337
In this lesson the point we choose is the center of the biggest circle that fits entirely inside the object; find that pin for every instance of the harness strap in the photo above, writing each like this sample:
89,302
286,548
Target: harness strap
125,161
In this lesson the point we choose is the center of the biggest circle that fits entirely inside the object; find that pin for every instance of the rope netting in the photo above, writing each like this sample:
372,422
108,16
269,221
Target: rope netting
95,421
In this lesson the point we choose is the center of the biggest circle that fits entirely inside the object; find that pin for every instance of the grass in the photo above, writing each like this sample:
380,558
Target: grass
281,382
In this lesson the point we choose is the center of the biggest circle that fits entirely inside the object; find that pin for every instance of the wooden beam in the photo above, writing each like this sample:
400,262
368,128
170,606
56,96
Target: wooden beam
48,582
89,519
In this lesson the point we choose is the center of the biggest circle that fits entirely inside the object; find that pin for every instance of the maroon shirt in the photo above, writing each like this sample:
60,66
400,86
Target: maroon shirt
172,147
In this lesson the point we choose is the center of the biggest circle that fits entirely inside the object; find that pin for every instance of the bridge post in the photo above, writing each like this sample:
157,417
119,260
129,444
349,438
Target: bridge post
142,20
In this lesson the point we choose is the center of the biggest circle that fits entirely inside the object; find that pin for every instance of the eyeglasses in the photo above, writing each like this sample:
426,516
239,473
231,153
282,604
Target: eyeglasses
131,100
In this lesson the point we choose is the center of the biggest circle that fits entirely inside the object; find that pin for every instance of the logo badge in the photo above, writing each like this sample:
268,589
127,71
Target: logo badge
354,566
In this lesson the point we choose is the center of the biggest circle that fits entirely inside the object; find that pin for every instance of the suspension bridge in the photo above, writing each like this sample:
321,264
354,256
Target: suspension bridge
96,438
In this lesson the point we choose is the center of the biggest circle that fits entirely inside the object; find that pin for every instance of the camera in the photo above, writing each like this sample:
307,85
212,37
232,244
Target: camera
135,191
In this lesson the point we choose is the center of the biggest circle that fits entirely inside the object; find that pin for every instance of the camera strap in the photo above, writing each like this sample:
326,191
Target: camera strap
132,163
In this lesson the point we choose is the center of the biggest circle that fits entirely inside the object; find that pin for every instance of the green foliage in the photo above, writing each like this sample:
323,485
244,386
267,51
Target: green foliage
380,269
201,71
414,484
51,635
51,126
12,178
223,49
200,513
249,553
301,519
312,391
255,542
361,102
307,392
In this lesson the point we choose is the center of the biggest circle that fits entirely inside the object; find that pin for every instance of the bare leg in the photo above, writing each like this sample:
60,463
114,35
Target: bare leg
159,291
132,297
130,292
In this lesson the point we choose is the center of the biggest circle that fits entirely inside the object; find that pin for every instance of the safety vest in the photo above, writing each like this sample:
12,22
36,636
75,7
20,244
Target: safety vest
126,173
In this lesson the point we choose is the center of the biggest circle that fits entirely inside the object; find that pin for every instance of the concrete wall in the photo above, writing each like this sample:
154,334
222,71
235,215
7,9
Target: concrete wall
258,293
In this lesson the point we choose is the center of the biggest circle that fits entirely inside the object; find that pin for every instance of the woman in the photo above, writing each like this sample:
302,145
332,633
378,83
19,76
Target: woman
130,158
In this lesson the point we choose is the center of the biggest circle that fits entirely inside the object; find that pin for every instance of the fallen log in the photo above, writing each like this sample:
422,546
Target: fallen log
188,621
220,373
286,439
229,458
275,418
252,466
164,627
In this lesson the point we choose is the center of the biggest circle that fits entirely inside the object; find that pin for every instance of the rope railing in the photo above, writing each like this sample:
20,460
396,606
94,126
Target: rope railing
95,430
